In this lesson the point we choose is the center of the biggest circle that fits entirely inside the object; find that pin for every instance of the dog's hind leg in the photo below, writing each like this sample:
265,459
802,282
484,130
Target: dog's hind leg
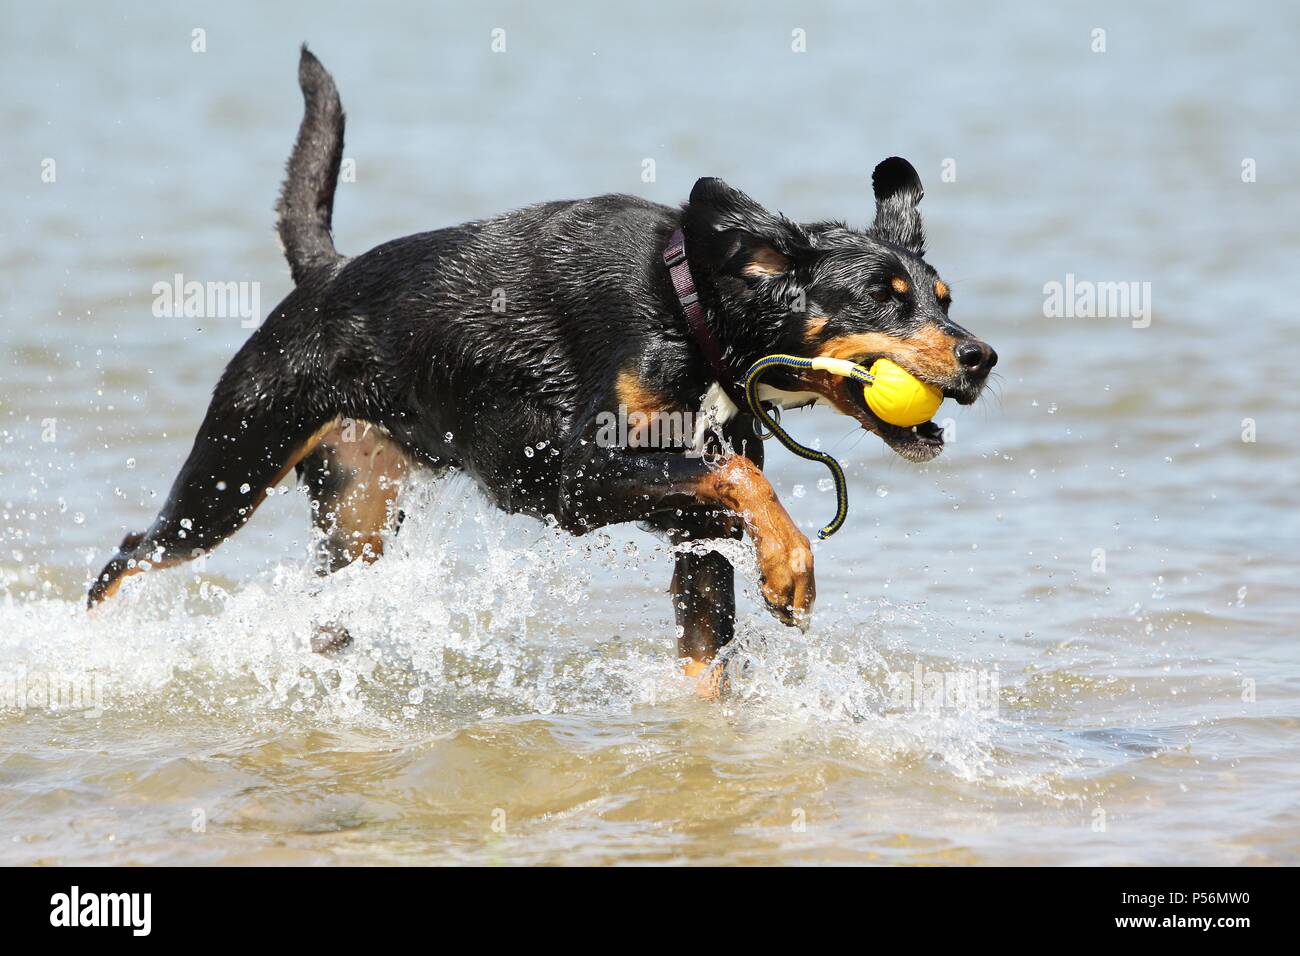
354,475
283,390
245,446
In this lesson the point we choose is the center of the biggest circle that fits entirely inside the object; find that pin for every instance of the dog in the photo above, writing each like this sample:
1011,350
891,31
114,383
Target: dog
495,347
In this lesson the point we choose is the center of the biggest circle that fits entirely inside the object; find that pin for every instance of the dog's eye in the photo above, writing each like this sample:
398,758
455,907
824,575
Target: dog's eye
881,295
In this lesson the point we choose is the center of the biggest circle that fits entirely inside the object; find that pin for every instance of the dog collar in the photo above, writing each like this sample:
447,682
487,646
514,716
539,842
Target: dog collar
679,272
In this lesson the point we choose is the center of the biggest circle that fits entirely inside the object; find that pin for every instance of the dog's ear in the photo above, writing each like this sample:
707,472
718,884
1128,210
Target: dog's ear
732,235
898,195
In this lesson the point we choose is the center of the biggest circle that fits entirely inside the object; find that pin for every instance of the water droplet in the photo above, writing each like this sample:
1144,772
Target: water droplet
79,518
528,451
798,491
130,463
881,491
825,484
244,488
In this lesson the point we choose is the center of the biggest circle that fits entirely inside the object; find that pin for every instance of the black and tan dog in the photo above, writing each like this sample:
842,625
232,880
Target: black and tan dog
475,346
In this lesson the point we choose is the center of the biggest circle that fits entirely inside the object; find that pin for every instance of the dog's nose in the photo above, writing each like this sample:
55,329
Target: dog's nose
976,357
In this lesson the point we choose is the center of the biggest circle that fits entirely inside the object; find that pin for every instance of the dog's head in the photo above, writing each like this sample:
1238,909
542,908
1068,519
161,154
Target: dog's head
824,289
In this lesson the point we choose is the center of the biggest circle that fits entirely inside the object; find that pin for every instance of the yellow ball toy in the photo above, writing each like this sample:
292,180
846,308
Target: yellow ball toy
899,397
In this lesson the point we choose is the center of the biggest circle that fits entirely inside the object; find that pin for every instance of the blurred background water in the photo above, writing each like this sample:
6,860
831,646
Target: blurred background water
1099,540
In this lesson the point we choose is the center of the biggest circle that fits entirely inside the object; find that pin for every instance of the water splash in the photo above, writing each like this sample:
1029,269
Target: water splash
473,617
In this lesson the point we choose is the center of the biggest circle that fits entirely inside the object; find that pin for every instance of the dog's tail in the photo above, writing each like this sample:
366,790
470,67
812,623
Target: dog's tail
307,200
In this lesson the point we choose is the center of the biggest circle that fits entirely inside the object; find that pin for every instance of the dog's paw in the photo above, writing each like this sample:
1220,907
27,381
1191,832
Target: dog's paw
710,678
330,638
787,580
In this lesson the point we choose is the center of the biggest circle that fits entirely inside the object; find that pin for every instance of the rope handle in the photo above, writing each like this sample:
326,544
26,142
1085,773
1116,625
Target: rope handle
841,367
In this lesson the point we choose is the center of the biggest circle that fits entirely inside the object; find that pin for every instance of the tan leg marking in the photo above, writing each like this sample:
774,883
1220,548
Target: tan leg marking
785,558
710,681
358,498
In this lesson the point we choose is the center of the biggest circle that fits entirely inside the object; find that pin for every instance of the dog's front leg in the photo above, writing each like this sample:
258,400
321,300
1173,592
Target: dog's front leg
602,486
703,591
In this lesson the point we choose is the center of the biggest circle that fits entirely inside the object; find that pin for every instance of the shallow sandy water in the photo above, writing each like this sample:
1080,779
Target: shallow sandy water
511,695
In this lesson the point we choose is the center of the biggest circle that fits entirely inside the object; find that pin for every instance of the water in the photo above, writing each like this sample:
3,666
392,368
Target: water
1100,570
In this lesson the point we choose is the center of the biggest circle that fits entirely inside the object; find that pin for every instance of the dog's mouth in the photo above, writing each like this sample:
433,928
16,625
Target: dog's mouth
917,443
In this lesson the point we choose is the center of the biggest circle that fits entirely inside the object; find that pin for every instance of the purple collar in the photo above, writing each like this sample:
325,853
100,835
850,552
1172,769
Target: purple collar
679,271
